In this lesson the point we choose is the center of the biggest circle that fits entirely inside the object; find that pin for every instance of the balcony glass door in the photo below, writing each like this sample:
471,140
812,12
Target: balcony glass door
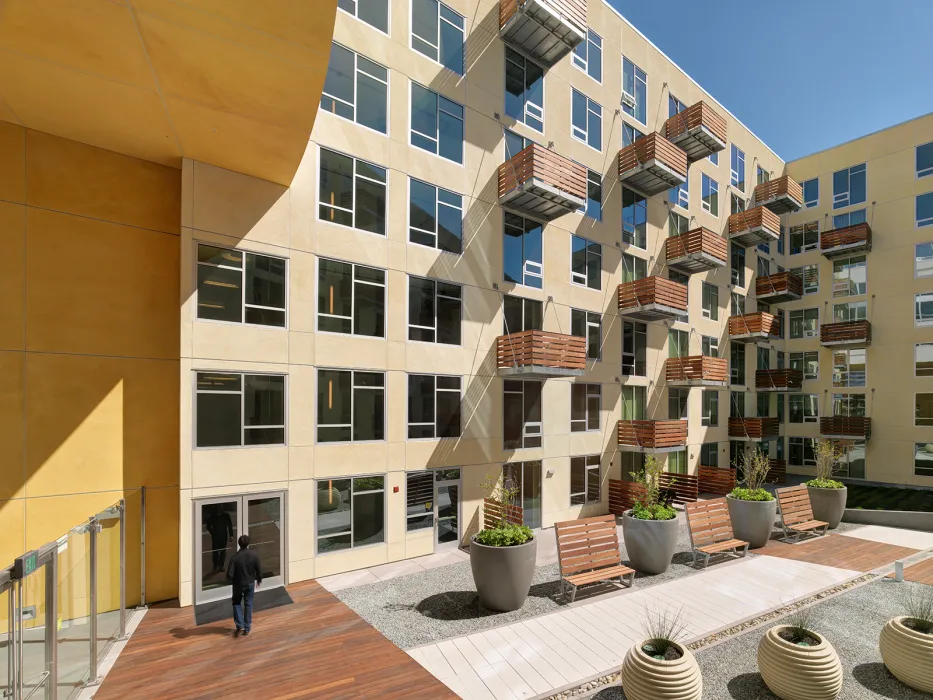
447,508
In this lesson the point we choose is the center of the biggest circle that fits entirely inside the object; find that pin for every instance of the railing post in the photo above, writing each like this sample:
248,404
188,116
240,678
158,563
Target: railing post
51,624
92,599
18,691
122,631
13,646
142,546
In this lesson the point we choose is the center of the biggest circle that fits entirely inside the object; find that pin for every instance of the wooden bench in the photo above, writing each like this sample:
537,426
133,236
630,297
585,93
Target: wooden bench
588,552
710,529
797,513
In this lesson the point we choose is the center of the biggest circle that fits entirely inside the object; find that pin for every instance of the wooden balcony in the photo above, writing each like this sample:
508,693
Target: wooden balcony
778,379
652,299
753,429
754,226
845,427
846,240
546,30
540,183
778,288
652,435
696,251
846,334
698,131
782,196
540,354
652,164
757,327
696,370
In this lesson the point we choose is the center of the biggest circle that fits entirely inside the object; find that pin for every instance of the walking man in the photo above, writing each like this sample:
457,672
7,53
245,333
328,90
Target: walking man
245,573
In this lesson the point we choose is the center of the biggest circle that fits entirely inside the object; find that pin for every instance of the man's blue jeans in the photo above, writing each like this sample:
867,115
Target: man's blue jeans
243,618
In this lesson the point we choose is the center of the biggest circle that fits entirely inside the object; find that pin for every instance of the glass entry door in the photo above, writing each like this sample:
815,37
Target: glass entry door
447,508
526,477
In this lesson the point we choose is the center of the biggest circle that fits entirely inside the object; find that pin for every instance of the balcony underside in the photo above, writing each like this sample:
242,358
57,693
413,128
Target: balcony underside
697,382
853,343
777,388
539,372
752,438
781,204
652,450
652,177
541,33
753,236
847,249
653,312
700,261
698,143
540,200
752,337
779,296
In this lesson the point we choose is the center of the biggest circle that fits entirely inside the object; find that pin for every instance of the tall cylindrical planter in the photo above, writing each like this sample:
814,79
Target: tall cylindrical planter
752,521
908,654
650,544
503,574
794,672
647,678
829,505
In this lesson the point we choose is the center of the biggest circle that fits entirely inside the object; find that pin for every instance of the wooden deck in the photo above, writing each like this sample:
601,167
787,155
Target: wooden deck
838,551
315,648
920,573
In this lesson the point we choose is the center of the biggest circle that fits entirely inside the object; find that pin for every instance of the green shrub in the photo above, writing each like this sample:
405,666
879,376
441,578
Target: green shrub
826,484
505,535
656,511
743,494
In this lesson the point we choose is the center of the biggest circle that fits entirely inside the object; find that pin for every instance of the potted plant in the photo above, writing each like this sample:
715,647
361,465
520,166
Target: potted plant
660,667
827,496
906,642
752,508
797,663
502,558
650,528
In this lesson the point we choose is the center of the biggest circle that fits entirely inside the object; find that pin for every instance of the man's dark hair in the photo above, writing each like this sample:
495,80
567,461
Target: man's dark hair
243,541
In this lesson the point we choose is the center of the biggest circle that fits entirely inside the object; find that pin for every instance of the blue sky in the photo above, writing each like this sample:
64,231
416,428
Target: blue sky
804,75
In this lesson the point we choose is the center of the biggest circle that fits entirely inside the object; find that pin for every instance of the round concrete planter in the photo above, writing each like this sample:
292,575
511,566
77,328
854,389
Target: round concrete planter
647,678
650,544
908,654
752,521
829,505
794,672
503,574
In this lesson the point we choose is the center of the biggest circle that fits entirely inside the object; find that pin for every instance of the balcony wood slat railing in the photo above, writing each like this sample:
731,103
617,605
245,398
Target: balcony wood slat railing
494,514
753,428
777,474
652,434
546,31
665,165
848,239
759,324
717,481
846,333
781,195
779,287
623,495
778,379
754,226
682,487
846,426
699,130
529,349
653,290
696,250
542,183
696,369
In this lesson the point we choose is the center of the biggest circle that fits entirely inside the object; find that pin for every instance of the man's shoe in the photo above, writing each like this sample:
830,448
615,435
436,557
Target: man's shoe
245,633
237,632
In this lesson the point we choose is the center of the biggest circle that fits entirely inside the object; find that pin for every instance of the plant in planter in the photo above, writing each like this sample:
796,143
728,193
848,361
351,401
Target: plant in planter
502,557
650,528
659,667
827,496
752,508
906,642
797,663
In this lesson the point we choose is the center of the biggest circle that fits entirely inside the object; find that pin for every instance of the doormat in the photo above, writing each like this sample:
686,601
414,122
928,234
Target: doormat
220,610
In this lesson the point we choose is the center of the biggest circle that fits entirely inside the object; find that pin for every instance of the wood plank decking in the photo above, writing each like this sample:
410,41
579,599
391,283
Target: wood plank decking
838,551
920,573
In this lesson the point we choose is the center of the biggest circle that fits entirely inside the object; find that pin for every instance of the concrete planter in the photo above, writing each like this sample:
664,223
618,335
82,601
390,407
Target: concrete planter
828,504
795,672
650,544
908,654
752,521
503,574
646,678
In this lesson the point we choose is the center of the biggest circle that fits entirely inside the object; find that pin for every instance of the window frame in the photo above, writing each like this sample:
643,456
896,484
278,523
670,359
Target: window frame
804,363
803,320
803,443
436,137
353,282
242,270
639,107
440,20
437,208
845,380
589,110
527,272
242,393
593,180
709,412
850,306
919,321
844,199
588,324
918,470
588,470
803,230
807,273
352,211
707,201
437,295
385,513
632,228
388,29
927,171
810,203
917,395
589,390
737,167
708,308
638,330
525,435
529,116
927,221
916,369
436,391
847,266
353,389
356,89
917,274
813,403
709,343
576,59
587,253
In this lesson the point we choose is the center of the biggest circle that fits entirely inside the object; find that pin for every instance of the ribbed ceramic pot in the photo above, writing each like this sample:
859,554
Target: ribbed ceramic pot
794,672
908,654
647,678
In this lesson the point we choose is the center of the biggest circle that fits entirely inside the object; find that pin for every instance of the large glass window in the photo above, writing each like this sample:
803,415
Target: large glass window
923,415
594,195
678,343
433,406
234,409
849,186
630,134
521,404
925,160
925,209
763,175
352,193
804,237
810,276
677,224
850,311
736,406
350,405
674,106
437,32
805,323
677,462
374,12
436,124
801,452
356,89
710,410
351,298
587,324
737,257
923,260
923,309
849,367
434,311
710,303
419,501
523,251
850,218
524,90
586,120
634,348
710,346
584,407
811,193
634,218
738,304
923,359
588,56
633,268
849,405
633,403
736,363
803,408
634,91
677,403
241,291
350,512
435,216
923,459
737,173
710,195
680,195
806,362
584,480
585,262
709,454
520,314
850,276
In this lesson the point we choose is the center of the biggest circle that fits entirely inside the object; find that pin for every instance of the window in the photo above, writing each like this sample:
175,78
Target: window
524,90
678,343
924,410
437,32
679,278
229,290
736,363
436,124
521,404
849,368
588,56
803,408
710,200
677,403
850,311
763,405
350,405
805,323
677,224
737,173
710,346
674,106
923,309
586,120
710,409
433,406
356,89
633,268
850,218
584,480
594,195
923,260
419,501
630,134
737,407
587,324
849,405
374,12
435,217
351,298
806,362
762,357
811,193
764,268
634,218
584,407
677,462
713,158
925,209
236,409
634,348
923,459
810,276
849,186
680,195
804,237
738,304
737,204
925,159
709,454
523,251
586,262
780,359
780,414
634,91
633,403
710,301
923,359
850,276
737,257
350,512
434,311
521,314
801,452
352,193
515,143
763,175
